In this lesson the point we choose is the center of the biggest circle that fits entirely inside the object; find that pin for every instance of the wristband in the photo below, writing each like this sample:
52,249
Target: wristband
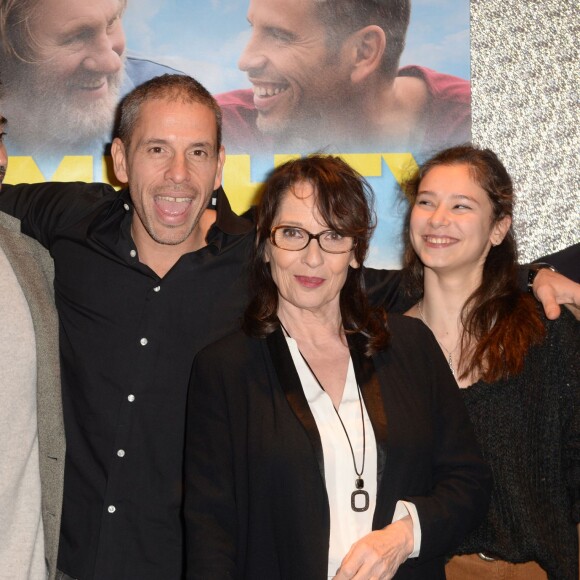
533,270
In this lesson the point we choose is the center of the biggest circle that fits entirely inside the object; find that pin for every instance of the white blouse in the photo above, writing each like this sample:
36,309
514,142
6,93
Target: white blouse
346,525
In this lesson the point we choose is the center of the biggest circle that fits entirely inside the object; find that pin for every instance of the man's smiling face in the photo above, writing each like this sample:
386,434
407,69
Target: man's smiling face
295,75
172,165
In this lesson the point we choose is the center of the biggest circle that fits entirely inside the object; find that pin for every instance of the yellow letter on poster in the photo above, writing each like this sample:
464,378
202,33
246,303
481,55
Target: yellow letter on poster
237,183
72,168
23,170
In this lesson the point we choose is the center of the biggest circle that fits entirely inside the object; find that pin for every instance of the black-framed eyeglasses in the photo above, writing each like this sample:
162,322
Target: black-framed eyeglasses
294,239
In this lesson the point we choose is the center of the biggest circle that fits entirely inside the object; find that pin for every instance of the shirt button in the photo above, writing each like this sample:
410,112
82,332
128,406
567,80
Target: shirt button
131,398
143,341
132,253
111,509
121,453
126,206
157,288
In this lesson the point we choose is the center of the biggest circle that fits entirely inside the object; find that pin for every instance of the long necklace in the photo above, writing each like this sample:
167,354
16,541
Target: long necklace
449,352
359,481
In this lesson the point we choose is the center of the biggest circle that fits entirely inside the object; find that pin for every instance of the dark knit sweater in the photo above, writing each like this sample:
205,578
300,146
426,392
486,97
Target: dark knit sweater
529,431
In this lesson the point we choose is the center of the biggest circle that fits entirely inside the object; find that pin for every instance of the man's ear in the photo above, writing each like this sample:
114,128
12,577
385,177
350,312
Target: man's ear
368,45
119,160
499,230
220,167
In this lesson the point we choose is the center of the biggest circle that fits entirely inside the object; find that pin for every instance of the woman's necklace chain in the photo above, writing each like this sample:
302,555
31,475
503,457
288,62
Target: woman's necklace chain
449,352
359,481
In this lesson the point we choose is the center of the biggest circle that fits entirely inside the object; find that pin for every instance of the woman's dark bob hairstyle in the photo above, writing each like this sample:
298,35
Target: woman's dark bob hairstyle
344,200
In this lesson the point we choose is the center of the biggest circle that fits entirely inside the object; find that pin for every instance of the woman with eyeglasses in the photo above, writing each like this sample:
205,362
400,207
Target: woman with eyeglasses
325,439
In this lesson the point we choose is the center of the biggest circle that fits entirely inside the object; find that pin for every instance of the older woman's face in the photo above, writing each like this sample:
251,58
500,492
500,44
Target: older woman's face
309,279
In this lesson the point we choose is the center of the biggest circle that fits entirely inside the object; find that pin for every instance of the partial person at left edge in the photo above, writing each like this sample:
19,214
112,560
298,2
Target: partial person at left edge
145,277
64,68
32,443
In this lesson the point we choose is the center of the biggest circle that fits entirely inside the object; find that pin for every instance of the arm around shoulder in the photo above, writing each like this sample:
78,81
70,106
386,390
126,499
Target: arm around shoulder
552,289
384,289
43,208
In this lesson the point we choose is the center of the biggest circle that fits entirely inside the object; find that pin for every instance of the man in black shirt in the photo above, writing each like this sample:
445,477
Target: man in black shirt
144,279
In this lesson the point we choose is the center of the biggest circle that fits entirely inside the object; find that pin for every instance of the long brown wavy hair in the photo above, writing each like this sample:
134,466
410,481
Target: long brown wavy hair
345,202
500,322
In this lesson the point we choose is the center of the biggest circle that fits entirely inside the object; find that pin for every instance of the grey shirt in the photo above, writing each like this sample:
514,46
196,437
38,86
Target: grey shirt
21,527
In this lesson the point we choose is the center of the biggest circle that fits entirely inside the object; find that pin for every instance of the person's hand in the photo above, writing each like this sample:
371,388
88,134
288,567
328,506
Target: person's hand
379,554
553,289
575,310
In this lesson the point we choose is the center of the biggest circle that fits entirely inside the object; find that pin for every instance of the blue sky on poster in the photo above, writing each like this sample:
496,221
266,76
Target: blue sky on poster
205,38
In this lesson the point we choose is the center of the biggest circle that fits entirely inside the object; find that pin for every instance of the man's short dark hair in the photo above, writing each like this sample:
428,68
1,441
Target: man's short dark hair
168,87
344,17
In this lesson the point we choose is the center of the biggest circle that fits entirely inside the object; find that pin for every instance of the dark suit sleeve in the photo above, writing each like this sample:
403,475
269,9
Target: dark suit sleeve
385,288
44,209
566,261
461,488
210,503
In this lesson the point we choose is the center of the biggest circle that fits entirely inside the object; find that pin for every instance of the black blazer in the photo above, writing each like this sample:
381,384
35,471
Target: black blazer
255,501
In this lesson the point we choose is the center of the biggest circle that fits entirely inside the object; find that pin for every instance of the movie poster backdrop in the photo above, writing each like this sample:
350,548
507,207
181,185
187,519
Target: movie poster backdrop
276,70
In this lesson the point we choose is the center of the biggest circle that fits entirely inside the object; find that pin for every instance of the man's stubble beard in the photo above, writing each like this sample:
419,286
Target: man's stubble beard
157,233
46,119
300,132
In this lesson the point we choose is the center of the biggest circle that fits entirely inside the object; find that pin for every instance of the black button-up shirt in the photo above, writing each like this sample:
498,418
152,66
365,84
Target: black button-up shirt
128,339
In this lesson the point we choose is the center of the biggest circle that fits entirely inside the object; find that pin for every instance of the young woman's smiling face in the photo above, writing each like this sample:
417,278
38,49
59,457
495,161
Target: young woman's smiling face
451,225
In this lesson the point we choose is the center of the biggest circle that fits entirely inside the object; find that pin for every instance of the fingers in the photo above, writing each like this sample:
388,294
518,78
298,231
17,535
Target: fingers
553,289
576,296
547,295
376,556
575,310
551,309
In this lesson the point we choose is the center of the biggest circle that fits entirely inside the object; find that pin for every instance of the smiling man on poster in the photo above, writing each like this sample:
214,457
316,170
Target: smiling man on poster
325,75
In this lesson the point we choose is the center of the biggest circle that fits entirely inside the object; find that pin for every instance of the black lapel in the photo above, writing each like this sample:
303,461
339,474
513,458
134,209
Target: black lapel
370,387
288,378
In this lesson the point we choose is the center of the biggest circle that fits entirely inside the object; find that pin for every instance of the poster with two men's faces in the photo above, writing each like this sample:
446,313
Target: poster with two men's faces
382,83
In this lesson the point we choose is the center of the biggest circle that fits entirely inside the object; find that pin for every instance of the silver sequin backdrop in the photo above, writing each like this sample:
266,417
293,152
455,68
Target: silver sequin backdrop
525,78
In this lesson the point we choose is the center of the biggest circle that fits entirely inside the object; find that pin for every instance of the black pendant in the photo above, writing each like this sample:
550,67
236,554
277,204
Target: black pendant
365,500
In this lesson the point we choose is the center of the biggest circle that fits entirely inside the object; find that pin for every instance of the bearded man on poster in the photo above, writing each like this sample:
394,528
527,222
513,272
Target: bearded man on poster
64,67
